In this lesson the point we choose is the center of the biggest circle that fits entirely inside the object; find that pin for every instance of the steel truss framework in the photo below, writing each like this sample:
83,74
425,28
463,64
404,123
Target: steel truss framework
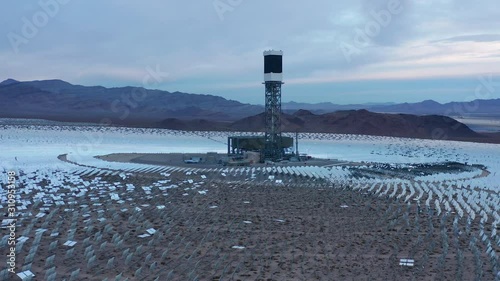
273,144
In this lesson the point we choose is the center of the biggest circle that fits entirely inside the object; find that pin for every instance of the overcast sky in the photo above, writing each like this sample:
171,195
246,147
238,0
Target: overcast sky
355,51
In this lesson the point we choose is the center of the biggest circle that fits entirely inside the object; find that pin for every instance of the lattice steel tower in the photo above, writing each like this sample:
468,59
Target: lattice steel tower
273,79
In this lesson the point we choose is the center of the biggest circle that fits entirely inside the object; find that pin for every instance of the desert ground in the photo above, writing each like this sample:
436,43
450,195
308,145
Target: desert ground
111,209
209,226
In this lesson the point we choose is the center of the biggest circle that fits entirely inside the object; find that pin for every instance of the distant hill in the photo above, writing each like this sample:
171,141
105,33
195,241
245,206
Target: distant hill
62,101
471,108
360,122
482,108
367,123
8,82
325,107
131,106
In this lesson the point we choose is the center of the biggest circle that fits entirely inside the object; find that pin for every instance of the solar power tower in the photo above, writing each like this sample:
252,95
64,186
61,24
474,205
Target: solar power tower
273,79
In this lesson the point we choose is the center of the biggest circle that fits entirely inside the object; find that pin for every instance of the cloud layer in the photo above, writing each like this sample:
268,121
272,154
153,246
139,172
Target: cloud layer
216,46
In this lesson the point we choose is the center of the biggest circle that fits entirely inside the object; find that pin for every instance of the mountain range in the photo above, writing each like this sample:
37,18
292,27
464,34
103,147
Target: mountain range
62,101
360,122
134,106
474,108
